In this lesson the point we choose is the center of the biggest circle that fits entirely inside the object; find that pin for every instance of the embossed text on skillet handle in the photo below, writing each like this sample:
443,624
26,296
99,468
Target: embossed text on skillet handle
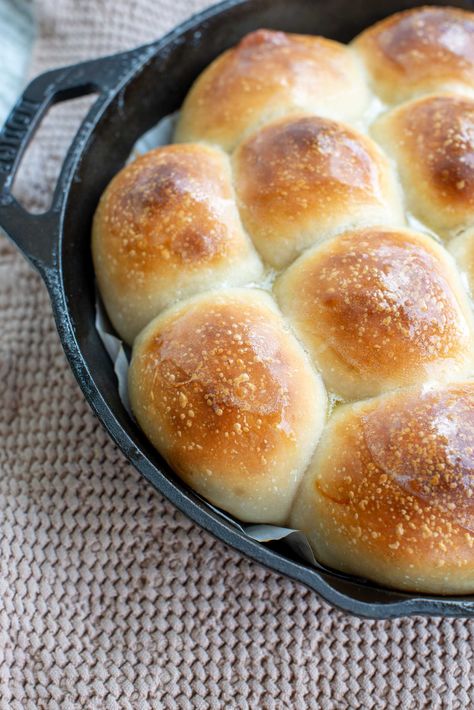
36,235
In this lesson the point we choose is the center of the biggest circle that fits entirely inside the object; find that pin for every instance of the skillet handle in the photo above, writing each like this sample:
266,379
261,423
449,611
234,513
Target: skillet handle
36,235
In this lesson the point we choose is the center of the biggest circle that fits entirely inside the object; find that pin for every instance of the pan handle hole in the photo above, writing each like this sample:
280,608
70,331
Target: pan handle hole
42,161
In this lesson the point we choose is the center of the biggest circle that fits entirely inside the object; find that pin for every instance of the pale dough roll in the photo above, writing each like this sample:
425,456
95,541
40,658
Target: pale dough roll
302,179
227,395
389,494
419,51
167,227
378,309
270,74
432,141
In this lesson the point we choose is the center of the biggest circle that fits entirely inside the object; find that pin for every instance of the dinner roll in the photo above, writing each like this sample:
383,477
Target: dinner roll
432,140
379,308
270,74
389,494
302,179
418,51
462,249
226,393
166,227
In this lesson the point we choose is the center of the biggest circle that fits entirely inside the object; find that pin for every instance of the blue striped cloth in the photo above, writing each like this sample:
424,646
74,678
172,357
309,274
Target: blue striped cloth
17,30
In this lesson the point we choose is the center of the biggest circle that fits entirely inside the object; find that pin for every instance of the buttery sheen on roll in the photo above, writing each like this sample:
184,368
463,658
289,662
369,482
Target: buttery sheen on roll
230,390
418,51
225,392
302,179
270,74
432,141
389,494
167,227
378,309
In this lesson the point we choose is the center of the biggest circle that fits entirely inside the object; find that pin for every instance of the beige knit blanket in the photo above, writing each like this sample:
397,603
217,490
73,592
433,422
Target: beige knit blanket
110,598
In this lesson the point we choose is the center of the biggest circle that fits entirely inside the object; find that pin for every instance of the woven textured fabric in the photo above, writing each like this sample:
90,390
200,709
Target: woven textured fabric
111,599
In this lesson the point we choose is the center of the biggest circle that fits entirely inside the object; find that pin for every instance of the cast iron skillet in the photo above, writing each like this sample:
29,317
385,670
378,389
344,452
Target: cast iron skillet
135,89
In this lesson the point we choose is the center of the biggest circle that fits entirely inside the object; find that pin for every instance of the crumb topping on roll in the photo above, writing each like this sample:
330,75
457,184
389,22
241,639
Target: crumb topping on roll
302,179
379,308
390,492
222,388
274,185
418,51
165,227
432,140
270,74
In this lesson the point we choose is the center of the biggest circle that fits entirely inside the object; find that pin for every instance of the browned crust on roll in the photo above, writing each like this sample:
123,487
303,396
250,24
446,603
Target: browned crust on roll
379,308
219,383
265,75
145,213
432,140
301,179
391,492
227,395
420,50
165,223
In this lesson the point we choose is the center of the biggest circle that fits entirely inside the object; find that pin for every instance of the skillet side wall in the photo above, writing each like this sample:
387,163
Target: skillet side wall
156,90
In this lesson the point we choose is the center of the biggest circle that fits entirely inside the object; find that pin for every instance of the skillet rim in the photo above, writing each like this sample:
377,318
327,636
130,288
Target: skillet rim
332,586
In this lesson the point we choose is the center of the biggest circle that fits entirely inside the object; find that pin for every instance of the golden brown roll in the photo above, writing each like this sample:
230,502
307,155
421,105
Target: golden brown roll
302,179
462,248
270,74
166,227
379,308
418,51
432,140
226,393
389,494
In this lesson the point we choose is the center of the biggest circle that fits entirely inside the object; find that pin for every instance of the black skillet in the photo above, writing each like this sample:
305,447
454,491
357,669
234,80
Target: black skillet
135,89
